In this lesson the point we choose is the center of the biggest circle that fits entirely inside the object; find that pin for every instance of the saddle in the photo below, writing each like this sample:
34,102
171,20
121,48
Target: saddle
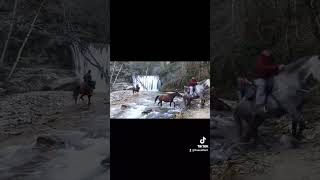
250,90
88,87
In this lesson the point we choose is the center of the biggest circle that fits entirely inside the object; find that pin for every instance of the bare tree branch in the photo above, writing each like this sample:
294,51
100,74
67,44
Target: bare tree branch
26,39
9,33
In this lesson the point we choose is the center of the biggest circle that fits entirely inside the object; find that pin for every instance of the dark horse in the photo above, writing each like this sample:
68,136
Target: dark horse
167,98
134,89
84,90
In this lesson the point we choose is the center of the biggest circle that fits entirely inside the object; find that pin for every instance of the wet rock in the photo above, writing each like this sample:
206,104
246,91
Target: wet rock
120,86
147,111
15,133
288,142
105,162
129,88
124,106
49,141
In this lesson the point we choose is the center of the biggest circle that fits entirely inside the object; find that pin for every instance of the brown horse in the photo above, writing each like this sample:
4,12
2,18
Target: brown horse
134,89
167,98
84,90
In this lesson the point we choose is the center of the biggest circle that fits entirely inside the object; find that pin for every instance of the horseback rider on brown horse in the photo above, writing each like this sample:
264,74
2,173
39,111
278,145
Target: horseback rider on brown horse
85,88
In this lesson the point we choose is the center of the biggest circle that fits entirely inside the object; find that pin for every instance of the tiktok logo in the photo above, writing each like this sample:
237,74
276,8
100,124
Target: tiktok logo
201,146
202,140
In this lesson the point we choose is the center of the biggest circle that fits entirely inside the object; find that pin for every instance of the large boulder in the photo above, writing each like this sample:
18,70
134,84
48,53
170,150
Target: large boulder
48,141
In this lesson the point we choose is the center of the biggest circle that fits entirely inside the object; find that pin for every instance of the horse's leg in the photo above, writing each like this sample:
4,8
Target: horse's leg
75,99
89,99
81,97
301,126
170,103
159,103
257,139
238,121
295,118
294,125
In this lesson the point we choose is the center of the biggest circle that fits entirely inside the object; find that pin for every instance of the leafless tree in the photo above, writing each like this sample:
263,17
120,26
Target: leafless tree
26,39
9,33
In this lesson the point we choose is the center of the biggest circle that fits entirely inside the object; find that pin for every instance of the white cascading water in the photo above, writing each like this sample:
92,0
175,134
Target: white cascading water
81,65
147,83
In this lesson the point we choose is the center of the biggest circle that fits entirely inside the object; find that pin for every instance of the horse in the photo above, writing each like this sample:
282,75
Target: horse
200,91
167,98
286,97
84,90
134,89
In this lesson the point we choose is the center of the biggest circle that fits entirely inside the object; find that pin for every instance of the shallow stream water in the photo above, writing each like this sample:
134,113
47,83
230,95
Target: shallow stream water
79,158
142,105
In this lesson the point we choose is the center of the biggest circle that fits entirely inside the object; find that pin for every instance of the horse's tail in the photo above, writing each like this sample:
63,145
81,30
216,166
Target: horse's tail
156,99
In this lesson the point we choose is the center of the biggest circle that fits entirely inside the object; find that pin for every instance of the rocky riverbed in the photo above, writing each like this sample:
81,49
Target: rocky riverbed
125,104
44,135
284,159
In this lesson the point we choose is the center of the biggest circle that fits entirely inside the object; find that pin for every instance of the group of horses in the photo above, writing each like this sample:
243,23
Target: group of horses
288,95
201,91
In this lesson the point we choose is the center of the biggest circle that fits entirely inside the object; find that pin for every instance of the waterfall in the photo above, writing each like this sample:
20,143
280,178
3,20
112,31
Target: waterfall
147,83
100,52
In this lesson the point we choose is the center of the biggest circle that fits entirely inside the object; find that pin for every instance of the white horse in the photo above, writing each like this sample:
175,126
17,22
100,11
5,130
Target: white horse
287,97
201,90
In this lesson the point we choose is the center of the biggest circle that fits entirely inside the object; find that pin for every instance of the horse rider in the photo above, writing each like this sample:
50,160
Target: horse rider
266,69
88,79
192,84
243,82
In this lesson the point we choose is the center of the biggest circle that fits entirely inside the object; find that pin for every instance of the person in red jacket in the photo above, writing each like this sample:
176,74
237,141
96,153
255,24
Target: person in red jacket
192,83
265,71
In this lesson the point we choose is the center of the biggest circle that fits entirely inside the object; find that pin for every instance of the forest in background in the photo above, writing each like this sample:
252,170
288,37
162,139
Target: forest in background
240,29
173,74
49,27
36,36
